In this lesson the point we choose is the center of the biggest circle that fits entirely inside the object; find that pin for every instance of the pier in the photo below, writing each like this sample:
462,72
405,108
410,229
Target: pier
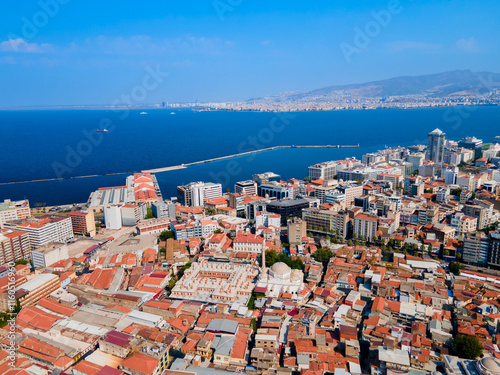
183,166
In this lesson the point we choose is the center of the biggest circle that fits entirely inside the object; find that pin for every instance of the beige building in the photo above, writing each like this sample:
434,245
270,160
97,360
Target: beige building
365,225
14,245
16,210
329,220
297,229
83,223
37,288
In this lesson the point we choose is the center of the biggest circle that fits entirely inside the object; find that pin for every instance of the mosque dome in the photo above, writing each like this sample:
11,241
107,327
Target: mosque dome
488,366
280,268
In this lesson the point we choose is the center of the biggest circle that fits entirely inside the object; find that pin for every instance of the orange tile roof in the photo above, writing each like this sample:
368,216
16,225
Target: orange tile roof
141,363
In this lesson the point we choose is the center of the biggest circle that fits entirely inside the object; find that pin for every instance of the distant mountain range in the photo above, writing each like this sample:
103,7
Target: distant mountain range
440,85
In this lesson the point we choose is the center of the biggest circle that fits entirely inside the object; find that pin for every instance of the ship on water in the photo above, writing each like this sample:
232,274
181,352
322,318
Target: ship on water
102,130
143,113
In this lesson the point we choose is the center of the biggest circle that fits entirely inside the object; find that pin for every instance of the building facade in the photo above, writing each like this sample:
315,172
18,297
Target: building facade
14,245
435,146
83,223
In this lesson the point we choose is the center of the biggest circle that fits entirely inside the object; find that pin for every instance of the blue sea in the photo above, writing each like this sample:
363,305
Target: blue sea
55,144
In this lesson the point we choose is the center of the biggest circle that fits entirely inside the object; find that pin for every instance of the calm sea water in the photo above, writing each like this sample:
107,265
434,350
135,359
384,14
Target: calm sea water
48,144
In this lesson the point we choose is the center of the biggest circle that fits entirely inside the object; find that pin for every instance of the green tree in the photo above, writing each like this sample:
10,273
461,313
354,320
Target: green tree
149,214
309,234
21,261
166,234
183,268
467,347
254,324
429,248
323,255
349,243
455,267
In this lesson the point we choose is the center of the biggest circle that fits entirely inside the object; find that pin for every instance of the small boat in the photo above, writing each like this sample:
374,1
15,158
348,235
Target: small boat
143,113
497,137
172,113
102,131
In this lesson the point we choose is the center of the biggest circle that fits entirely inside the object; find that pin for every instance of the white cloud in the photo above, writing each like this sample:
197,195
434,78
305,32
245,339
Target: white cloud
20,45
404,45
467,44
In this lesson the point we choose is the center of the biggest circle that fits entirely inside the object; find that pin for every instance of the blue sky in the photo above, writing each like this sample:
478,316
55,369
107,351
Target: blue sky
75,52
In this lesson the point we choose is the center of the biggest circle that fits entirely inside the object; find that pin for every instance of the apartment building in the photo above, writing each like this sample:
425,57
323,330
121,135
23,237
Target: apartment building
247,187
45,229
49,254
476,249
463,224
249,243
329,220
14,245
83,223
132,213
14,210
267,219
37,288
113,216
297,229
195,193
481,210
365,225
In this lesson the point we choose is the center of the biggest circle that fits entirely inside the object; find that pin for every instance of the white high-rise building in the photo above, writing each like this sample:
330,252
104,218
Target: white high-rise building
195,193
113,216
44,229
435,146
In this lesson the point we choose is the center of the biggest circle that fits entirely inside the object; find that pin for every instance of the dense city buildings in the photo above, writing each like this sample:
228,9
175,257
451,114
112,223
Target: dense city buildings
346,271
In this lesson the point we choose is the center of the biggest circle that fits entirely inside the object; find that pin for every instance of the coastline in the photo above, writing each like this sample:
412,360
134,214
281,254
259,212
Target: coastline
208,109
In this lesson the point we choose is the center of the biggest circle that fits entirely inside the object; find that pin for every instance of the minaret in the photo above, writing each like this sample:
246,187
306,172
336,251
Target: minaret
263,258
